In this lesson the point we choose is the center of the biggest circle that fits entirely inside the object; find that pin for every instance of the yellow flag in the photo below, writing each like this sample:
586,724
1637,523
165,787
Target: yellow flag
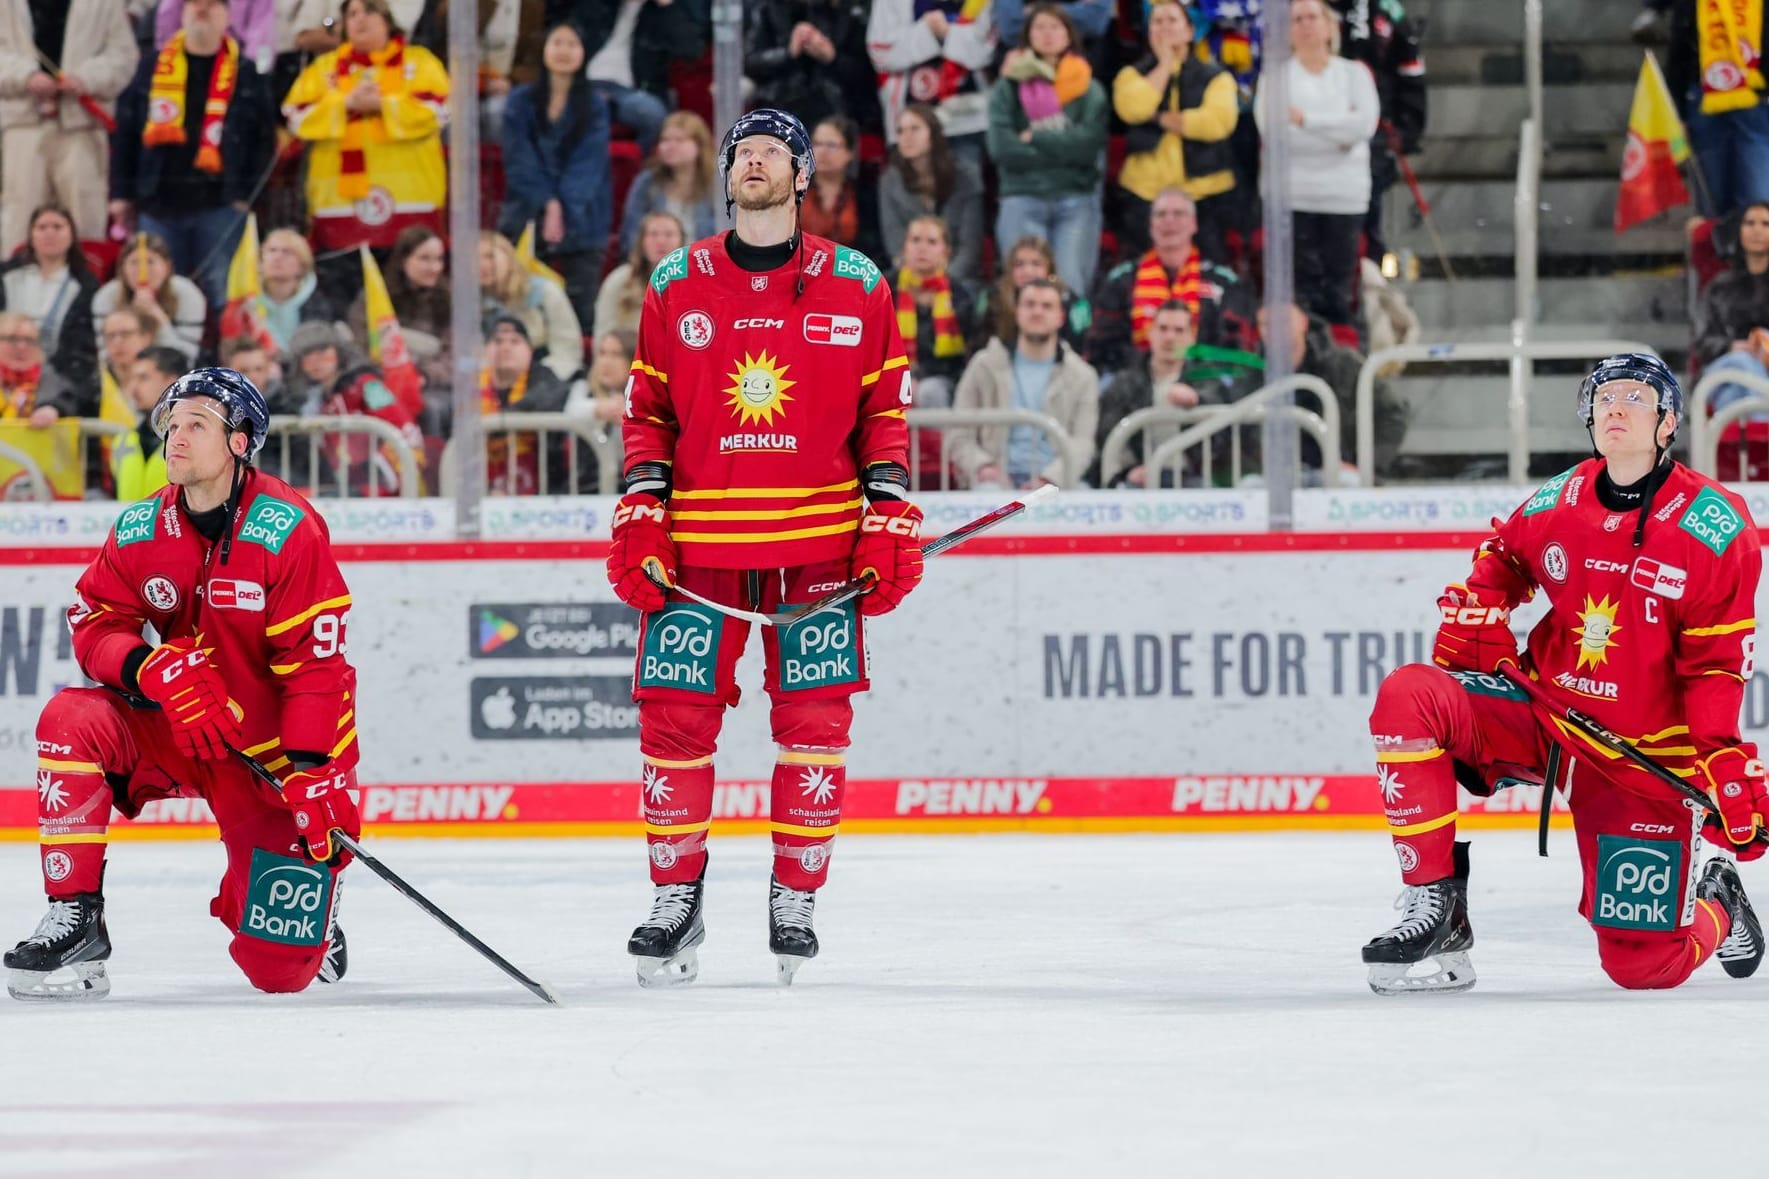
244,313
1651,183
526,258
242,272
387,346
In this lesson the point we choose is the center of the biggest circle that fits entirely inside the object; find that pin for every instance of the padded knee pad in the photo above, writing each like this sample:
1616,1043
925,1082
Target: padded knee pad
275,968
671,730
812,724
1646,964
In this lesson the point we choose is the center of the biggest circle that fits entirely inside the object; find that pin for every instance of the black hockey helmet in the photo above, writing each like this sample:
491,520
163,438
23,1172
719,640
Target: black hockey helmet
242,406
782,125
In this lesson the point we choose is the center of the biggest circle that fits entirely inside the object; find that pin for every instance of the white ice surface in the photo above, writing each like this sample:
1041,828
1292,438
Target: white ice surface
984,1006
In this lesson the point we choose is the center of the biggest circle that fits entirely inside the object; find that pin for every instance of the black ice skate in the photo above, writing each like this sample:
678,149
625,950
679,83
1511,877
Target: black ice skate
790,935
65,958
663,944
1742,951
1427,951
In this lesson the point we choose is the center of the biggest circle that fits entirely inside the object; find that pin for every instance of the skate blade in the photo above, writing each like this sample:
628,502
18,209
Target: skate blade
1443,974
785,966
78,983
679,971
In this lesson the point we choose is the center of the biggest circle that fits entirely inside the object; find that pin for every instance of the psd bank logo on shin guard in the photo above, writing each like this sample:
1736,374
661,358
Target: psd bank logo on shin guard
680,648
1637,883
820,649
288,901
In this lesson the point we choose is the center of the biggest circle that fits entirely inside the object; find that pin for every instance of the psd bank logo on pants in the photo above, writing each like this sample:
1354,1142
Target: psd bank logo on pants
288,901
1637,883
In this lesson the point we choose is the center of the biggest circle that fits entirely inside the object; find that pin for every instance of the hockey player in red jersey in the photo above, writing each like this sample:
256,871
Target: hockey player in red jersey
1650,572
766,448
232,571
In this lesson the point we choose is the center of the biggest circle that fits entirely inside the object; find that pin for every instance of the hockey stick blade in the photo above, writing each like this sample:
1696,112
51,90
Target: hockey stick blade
860,585
400,886
1599,733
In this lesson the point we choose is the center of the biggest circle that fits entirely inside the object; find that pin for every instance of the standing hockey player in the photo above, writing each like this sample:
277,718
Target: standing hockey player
233,572
1650,571
766,446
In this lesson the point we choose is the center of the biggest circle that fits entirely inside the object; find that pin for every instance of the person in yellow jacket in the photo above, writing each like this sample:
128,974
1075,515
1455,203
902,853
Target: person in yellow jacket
372,112
138,460
1179,112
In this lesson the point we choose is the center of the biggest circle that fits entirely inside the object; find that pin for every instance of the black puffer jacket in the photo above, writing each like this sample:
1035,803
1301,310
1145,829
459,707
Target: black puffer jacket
1734,303
809,88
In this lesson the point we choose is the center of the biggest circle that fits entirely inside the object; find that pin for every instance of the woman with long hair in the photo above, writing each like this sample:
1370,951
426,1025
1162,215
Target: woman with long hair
623,291
1732,317
417,285
51,281
509,288
923,176
145,280
835,206
1028,258
681,179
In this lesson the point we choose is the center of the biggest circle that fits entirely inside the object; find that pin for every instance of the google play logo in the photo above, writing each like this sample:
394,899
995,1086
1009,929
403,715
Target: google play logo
494,632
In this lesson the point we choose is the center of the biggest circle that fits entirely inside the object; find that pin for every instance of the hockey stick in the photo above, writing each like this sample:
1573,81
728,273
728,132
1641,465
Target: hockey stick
860,585
417,898
1609,740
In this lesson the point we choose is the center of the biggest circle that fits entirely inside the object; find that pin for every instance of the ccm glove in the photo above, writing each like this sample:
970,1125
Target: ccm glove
179,678
1472,636
889,552
642,549
1734,779
320,799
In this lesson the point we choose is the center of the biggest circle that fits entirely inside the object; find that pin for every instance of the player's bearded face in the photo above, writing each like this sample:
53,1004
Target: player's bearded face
761,174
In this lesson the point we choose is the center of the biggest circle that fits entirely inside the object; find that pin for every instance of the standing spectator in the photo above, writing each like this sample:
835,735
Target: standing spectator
1091,20
138,460
924,176
192,144
513,381
291,293
549,324
417,285
52,145
145,280
809,57
1731,319
1047,125
1316,354
556,167
1381,35
836,206
631,44
372,113
1714,72
1173,268
622,296
1025,260
679,180
935,53
51,281
1036,372
934,311
1333,113
1179,112
252,23
1166,376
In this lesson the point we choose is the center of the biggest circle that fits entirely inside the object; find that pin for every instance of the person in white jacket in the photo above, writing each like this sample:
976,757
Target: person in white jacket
1333,108
911,54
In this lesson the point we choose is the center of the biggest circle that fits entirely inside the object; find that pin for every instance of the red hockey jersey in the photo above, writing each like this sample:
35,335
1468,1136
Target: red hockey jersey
767,402
275,615
1655,642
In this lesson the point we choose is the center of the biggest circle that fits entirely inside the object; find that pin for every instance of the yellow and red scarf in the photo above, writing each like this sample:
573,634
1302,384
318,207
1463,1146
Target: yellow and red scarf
1152,287
165,100
18,391
948,340
388,66
1731,71
524,479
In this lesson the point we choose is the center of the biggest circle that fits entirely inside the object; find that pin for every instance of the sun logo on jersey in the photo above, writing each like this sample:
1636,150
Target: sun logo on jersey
1596,630
758,389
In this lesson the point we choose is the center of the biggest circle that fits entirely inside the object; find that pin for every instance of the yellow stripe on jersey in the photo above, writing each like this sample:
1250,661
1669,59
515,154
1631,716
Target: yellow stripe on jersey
639,366
1725,628
846,505
285,668
893,362
344,743
760,537
255,750
297,620
765,492
70,767
890,413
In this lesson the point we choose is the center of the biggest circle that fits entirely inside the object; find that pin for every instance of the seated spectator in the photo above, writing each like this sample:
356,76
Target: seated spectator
934,312
417,284
192,144
258,364
125,333
1047,122
1732,319
1172,268
138,459
1179,112
556,168
1333,112
335,380
65,64
602,399
923,176
622,296
836,206
680,179
932,52
509,288
1169,375
371,112
22,395
809,57
1027,259
1035,372
1313,351
631,44
291,294
51,281
513,381
145,280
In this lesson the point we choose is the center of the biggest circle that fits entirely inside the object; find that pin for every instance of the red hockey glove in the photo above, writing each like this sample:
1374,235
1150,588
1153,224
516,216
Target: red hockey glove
321,800
889,549
641,541
1734,779
180,679
1472,636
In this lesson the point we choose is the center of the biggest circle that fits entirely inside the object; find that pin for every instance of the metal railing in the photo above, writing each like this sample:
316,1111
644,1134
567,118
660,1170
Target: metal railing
40,490
1517,415
1201,422
1704,432
945,420
402,477
602,441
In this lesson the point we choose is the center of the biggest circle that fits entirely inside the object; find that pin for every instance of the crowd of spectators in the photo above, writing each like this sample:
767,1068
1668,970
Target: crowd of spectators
1059,193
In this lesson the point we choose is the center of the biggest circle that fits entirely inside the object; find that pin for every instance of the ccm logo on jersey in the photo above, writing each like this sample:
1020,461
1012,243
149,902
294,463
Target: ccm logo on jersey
759,323
237,595
1655,577
1598,565
833,329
